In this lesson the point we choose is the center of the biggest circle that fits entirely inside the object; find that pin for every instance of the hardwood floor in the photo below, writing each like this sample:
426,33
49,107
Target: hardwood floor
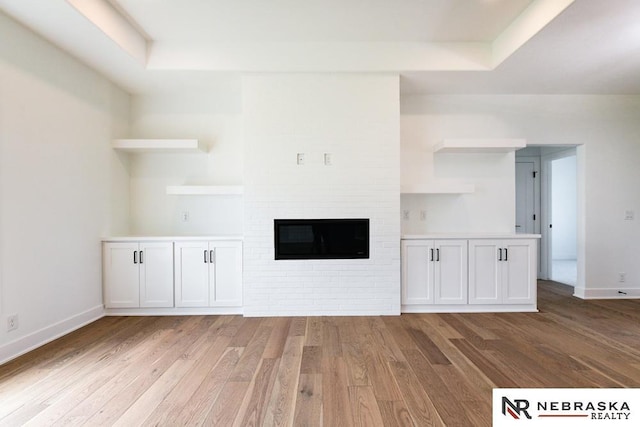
416,369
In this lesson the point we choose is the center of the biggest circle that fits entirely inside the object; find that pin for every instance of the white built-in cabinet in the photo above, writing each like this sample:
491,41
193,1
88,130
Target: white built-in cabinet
502,271
473,274
208,274
138,274
434,272
172,275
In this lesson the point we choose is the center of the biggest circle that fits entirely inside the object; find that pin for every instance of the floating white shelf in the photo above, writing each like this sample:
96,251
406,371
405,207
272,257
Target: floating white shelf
204,190
479,145
440,187
159,145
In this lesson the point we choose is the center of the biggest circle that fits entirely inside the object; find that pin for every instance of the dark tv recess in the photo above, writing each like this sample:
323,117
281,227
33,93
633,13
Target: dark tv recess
321,238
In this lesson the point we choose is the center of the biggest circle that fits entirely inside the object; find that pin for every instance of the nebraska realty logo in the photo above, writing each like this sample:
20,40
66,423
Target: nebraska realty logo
568,407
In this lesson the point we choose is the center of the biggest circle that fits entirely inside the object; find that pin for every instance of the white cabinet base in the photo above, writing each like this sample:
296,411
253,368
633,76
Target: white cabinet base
173,311
457,308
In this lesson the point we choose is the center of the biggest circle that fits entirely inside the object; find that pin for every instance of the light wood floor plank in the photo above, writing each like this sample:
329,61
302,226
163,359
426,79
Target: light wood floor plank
308,409
422,410
168,412
254,406
199,406
227,405
281,406
364,406
336,408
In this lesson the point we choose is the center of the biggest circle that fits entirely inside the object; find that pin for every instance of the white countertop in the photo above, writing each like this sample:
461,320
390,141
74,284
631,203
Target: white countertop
168,238
469,236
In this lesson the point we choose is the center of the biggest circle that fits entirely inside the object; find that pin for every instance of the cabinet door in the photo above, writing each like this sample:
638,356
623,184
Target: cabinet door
225,273
451,272
156,274
121,275
417,272
485,272
191,274
519,272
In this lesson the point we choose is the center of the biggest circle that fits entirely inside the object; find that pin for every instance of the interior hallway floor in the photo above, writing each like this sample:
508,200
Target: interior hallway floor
564,271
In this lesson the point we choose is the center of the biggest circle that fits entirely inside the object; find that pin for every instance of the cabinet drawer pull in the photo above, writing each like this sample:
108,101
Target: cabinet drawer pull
431,250
500,254
211,257
135,257
438,254
506,254
205,256
140,257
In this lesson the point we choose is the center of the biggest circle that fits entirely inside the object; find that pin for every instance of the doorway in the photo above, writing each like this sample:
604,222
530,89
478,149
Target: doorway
560,173
546,204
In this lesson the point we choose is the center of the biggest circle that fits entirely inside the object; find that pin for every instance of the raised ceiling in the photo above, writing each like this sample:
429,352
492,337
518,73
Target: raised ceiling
437,46
323,20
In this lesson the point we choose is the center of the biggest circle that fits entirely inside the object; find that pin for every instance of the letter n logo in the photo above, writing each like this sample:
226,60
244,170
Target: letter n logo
516,408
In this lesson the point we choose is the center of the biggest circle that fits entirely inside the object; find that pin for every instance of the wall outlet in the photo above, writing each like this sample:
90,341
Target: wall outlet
405,215
12,322
184,216
622,277
327,159
300,158
629,215
423,215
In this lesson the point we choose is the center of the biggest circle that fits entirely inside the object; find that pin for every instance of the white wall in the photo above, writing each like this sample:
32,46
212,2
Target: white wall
425,122
61,186
564,205
212,116
488,209
608,178
356,119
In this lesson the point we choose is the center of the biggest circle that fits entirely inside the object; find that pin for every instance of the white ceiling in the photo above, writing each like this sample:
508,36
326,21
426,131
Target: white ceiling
323,20
438,46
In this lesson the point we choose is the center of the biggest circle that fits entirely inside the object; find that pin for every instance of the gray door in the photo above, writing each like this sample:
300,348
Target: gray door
525,200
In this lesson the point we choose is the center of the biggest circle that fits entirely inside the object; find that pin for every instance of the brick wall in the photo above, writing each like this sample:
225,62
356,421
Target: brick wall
355,118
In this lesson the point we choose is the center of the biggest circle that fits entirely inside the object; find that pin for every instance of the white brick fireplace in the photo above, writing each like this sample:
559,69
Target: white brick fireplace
355,120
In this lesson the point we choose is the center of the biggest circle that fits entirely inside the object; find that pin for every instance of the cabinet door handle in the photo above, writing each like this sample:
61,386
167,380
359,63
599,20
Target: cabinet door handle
438,254
506,254
140,257
211,257
135,257
205,256
431,250
500,254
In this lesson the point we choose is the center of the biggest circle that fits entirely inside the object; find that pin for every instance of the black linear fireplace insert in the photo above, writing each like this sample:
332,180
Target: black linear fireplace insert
321,238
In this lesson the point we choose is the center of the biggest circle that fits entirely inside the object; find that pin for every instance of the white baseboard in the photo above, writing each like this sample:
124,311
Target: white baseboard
606,293
36,339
